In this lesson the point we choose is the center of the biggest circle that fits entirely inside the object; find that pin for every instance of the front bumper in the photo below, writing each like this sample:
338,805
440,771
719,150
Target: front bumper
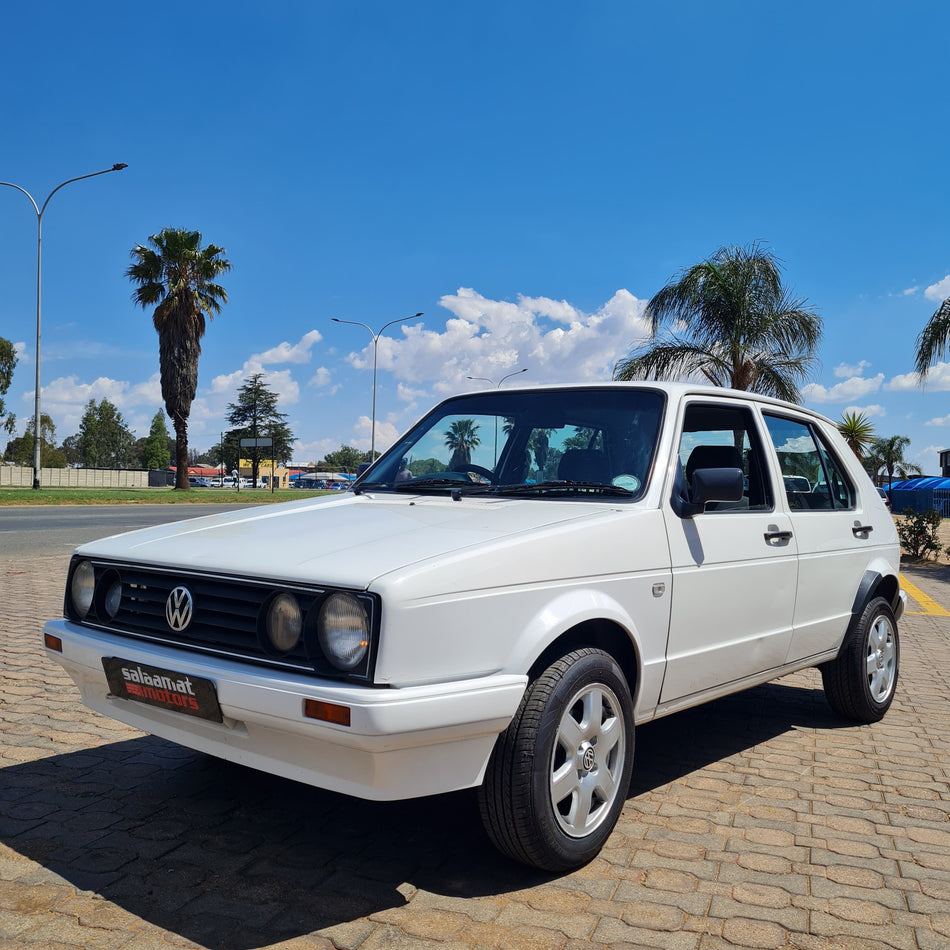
401,743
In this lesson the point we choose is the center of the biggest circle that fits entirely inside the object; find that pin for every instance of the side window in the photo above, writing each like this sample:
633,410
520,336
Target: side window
814,479
718,436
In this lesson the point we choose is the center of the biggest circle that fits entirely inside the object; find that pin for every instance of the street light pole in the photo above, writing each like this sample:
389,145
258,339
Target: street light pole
498,386
375,336
39,293
503,378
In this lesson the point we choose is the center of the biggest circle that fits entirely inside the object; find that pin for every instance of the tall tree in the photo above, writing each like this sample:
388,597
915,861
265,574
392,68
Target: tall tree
731,321
8,360
176,275
155,454
858,432
104,439
461,438
255,416
933,339
345,459
888,455
20,451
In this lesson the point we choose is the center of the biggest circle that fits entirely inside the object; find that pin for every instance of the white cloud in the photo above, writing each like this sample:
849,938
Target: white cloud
854,388
929,459
910,291
320,378
554,340
938,380
298,352
939,421
939,291
869,411
386,434
406,394
844,370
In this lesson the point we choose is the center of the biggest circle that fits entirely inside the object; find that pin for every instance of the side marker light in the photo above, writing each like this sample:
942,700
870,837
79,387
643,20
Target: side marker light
326,712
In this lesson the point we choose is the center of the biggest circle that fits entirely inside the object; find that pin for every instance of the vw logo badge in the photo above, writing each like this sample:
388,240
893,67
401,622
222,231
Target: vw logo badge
178,609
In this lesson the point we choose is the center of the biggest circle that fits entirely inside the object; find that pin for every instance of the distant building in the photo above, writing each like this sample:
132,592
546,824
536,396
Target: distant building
945,463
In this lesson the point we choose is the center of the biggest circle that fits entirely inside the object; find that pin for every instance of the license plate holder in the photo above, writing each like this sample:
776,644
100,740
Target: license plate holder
163,688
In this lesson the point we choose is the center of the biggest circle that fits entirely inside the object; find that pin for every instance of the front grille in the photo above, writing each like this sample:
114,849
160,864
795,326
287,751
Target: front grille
228,614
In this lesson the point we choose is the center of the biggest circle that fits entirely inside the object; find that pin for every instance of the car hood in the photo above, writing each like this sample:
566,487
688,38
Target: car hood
347,541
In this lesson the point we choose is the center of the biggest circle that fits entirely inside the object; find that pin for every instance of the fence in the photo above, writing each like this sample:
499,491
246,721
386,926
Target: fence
920,499
15,476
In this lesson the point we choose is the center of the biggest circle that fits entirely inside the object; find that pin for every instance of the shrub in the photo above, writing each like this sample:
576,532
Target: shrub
917,531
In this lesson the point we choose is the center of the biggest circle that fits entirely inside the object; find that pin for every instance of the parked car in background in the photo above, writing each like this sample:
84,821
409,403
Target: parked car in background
525,577
885,497
196,481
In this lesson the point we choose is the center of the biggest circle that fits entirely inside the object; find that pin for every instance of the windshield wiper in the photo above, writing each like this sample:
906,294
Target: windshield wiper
563,487
440,484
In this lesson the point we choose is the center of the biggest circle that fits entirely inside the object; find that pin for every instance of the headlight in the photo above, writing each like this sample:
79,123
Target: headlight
343,631
82,587
284,622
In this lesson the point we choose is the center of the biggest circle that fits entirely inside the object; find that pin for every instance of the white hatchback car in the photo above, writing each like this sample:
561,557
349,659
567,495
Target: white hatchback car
522,579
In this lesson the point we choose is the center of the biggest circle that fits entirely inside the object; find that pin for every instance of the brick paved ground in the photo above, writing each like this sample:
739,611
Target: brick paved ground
759,821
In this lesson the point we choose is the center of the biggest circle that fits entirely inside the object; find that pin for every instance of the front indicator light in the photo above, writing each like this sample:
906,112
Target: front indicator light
343,631
82,588
326,712
52,643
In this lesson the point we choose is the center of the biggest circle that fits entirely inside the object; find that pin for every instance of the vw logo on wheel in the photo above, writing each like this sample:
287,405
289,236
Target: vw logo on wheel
179,608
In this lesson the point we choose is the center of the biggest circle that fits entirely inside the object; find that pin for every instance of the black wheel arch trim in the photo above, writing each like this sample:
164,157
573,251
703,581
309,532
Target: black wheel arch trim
874,584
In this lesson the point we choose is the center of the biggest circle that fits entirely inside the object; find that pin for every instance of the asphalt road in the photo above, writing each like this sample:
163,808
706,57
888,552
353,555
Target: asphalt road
57,529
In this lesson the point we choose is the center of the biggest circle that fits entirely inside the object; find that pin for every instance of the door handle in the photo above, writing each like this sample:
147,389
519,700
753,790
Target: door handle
861,529
778,535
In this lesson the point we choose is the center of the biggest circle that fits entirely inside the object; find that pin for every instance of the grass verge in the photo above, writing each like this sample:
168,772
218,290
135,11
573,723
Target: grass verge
150,496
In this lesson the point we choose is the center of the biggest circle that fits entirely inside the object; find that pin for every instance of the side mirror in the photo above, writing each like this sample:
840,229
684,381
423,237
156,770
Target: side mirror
713,484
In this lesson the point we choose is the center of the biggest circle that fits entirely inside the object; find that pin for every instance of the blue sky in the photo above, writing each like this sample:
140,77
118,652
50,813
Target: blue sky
526,174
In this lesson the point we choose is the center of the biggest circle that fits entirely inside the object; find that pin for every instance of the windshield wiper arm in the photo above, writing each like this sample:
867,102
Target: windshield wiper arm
562,487
436,484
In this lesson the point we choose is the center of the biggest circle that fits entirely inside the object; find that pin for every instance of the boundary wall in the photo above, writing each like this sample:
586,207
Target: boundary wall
15,476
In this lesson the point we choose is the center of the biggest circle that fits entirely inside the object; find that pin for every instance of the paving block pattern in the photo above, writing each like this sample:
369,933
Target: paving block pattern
759,821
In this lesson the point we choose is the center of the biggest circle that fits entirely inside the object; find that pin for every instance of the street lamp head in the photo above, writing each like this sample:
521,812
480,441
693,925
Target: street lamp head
118,166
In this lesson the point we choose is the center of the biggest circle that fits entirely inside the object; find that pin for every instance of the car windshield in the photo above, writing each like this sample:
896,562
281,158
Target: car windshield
533,443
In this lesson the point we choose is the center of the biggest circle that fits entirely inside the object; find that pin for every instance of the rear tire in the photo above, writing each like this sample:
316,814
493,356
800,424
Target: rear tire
861,681
558,775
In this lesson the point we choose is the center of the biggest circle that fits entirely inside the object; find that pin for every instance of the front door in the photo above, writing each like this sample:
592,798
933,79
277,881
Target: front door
734,565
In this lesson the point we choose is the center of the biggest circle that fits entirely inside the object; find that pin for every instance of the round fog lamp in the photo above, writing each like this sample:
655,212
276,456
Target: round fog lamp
284,622
82,587
113,598
343,631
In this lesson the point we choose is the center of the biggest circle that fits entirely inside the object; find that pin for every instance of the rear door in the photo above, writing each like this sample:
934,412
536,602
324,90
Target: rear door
834,532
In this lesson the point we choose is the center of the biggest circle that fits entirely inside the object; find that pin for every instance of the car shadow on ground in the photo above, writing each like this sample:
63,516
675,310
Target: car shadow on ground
232,858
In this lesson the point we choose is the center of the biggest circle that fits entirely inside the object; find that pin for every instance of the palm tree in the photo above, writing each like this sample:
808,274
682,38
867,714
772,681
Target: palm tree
857,431
730,320
888,454
933,339
176,275
461,438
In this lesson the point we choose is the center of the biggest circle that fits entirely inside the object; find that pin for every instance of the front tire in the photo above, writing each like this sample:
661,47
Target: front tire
861,681
558,775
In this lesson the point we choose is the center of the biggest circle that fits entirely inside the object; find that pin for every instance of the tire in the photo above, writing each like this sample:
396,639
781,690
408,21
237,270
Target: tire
558,776
860,683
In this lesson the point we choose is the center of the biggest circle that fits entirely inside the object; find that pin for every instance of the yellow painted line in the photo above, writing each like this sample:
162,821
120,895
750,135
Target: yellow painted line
931,607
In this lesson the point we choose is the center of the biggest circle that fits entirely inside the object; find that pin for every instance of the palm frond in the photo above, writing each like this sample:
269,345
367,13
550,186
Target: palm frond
933,339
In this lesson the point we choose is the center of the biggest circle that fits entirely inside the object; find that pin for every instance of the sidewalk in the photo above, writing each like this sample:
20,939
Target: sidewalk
759,821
